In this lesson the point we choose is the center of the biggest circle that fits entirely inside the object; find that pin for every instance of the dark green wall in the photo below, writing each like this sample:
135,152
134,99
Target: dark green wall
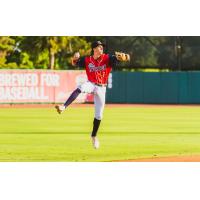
153,87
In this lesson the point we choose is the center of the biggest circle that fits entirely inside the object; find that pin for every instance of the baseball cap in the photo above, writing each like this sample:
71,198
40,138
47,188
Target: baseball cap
96,44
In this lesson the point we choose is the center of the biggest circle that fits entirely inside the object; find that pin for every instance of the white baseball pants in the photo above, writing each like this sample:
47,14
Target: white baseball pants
99,96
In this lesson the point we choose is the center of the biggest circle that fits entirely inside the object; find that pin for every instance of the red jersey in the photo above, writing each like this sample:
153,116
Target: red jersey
98,70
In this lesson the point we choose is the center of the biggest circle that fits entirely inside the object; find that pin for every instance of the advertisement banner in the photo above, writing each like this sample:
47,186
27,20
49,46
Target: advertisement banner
40,86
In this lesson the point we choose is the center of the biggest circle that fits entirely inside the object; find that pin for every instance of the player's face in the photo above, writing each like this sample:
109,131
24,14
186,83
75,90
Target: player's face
98,50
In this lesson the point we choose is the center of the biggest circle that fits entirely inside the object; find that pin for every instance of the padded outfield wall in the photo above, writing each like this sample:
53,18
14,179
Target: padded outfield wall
40,86
47,86
154,87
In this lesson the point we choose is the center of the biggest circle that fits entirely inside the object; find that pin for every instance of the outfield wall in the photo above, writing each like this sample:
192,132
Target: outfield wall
155,87
40,86
47,86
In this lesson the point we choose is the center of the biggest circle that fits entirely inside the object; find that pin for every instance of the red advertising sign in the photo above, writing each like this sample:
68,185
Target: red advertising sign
32,86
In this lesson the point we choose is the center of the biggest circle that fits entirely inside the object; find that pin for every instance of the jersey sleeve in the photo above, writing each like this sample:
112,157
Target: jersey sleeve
81,62
113,60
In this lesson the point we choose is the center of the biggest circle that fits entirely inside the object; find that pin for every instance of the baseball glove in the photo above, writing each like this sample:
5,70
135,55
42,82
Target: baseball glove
122,56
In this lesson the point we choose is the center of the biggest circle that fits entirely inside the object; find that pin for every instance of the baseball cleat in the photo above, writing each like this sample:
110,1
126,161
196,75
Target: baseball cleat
95,142
59,109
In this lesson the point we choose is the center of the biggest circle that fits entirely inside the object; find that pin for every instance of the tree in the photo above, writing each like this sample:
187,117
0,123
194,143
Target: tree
72,45
146,52
190,53
6,47
55,52
52,51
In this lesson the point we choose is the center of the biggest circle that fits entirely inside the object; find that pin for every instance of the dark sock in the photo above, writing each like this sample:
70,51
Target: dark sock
72,97
96,124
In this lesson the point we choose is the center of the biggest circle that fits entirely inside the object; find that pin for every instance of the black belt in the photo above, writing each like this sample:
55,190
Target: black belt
101,85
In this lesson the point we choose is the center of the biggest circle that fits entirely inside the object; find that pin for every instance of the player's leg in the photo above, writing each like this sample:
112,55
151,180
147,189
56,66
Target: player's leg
85,87
72,97
99,103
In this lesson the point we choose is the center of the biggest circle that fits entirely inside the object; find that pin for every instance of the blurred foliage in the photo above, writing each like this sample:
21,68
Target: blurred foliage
43,52
7,45
164,53
145,52
161,52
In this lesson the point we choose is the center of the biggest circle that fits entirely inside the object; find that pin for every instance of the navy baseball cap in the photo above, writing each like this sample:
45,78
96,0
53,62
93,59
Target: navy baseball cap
96,44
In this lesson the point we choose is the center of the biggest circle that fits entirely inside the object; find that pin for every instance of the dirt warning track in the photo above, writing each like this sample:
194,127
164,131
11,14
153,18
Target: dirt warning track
107,105
193,158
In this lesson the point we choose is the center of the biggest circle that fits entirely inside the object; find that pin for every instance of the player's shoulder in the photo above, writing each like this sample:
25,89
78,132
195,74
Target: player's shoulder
106,56
109,57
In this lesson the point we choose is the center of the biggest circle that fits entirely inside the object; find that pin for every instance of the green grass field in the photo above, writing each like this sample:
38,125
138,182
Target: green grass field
40,134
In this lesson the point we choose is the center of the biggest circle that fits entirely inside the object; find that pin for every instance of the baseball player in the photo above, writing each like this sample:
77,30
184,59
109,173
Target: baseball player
98,67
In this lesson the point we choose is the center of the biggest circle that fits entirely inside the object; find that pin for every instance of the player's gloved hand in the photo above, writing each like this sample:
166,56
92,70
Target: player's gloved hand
122,56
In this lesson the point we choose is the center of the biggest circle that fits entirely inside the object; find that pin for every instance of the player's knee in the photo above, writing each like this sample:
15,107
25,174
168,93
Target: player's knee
99,116
79,89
